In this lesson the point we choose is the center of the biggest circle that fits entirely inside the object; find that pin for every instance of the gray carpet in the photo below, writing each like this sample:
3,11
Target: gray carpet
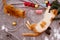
6,21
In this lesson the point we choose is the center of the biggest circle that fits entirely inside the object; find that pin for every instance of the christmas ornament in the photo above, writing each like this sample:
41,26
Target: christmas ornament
31,4
47,3
14,23
39,11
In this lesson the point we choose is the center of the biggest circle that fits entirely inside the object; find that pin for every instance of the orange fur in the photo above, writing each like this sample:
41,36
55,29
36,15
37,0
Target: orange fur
32,26
10,9
43,24
31,34
55,12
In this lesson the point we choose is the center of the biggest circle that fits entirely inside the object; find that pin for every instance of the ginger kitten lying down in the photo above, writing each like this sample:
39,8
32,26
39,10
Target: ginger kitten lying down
11,10
41,26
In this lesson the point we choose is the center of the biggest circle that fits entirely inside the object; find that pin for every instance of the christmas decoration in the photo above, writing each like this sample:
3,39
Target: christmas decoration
55,5
14,23
39,11
31,4
46,2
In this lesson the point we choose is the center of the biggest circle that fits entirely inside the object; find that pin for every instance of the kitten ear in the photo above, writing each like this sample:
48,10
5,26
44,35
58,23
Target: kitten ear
54,11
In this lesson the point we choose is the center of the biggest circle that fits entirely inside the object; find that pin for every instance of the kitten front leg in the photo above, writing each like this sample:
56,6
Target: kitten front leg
30,26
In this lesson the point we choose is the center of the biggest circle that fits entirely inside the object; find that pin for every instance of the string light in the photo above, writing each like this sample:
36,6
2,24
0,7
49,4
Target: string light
14,23
47,3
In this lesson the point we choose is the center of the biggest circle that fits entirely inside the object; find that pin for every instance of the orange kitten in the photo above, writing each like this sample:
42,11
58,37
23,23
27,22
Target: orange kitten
11,10
41,26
